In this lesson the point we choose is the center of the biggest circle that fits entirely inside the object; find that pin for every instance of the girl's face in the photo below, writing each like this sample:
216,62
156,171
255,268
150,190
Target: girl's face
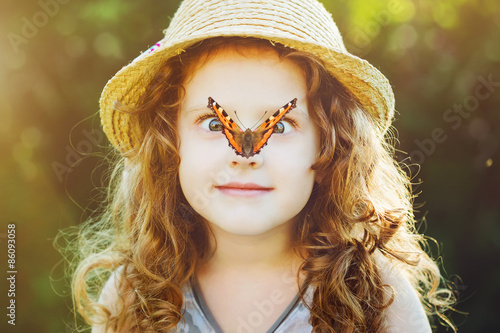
246,196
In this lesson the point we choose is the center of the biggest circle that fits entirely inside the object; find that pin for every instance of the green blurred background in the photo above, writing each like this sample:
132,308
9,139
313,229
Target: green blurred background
57,55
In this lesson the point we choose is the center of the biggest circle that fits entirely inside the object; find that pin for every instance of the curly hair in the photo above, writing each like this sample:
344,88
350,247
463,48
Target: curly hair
360,209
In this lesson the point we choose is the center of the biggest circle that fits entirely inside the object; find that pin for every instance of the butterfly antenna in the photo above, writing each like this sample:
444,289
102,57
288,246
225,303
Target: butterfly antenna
259,120
254,124
239,120
243,126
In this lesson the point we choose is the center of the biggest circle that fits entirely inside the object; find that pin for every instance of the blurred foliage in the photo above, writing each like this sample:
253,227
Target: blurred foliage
435,53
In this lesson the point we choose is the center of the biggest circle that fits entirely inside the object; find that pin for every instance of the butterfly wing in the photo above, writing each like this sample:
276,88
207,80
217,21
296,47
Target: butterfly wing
264,131
231,130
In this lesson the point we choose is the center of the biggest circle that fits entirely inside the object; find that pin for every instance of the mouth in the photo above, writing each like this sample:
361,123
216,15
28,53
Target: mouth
243,189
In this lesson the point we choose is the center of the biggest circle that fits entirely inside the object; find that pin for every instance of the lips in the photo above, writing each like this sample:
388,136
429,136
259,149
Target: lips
243,189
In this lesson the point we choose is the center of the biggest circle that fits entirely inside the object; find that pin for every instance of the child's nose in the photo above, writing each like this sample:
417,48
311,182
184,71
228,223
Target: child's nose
253,162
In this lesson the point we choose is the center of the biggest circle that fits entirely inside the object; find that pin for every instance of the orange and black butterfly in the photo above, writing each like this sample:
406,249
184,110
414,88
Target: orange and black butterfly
249,143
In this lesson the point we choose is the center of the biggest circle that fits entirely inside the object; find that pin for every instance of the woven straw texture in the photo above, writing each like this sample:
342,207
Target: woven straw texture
303,25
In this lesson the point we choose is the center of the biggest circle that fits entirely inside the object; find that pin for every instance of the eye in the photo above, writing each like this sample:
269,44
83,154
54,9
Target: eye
212,124
215,125
284,126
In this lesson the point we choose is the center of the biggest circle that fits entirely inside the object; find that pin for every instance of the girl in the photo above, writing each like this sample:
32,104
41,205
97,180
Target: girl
255,190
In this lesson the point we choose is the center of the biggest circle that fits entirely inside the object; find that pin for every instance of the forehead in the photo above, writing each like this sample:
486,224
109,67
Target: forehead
198,55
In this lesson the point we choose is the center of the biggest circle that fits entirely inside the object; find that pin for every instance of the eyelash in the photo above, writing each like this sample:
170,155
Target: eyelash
205,116
211,115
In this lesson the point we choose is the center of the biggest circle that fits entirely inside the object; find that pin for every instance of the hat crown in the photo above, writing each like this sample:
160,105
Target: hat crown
306,21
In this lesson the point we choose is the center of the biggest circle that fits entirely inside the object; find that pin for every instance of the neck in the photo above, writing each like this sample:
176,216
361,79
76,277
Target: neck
271,250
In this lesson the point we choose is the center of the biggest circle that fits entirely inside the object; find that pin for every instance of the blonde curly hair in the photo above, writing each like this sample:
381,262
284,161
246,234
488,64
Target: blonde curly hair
361,209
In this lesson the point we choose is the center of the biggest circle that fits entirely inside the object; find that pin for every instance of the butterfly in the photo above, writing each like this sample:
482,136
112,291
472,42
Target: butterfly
249,143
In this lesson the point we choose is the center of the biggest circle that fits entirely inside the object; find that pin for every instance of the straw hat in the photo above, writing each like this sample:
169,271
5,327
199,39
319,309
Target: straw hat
303,25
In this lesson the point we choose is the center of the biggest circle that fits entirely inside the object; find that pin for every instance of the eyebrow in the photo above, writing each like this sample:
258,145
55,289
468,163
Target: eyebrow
301,112
197,109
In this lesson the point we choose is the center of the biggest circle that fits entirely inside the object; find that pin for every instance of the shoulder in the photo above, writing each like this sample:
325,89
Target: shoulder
109,298
406,313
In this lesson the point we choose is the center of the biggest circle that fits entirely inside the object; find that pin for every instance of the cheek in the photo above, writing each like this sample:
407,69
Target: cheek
298,153
293,167
200,165
295,182
193,161
195,183
292,162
